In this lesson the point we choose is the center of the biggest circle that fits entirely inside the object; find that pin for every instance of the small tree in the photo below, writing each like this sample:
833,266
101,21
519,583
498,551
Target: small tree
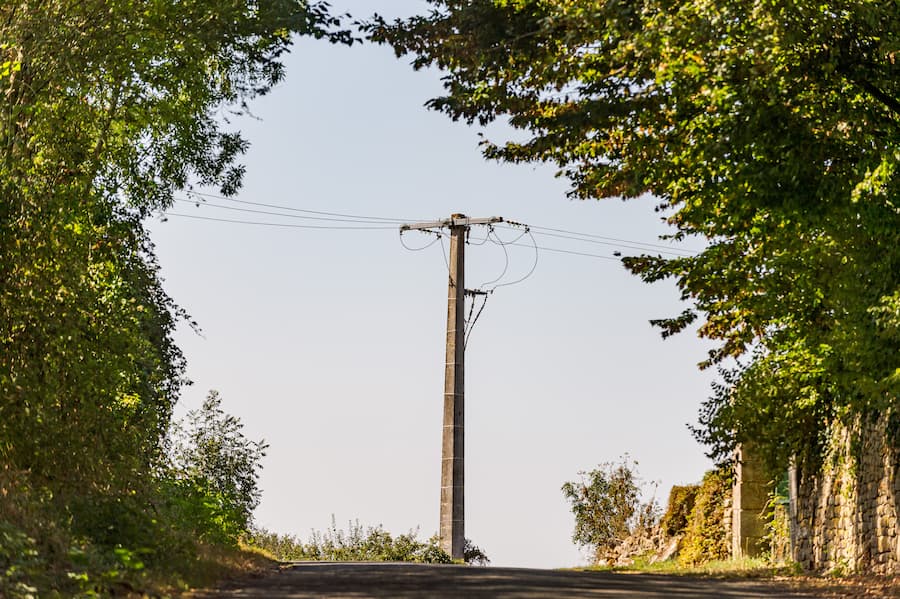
212,456
606,505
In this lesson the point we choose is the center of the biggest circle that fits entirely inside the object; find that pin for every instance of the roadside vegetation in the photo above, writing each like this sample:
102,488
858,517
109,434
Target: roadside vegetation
608,509
620,529
182,529
109,109
358,543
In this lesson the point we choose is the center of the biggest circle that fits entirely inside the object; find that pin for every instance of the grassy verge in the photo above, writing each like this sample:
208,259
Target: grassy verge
744,568
825,586
209,567
58,566
213,566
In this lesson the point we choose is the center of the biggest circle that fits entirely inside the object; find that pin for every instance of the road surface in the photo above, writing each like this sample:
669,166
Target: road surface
418,581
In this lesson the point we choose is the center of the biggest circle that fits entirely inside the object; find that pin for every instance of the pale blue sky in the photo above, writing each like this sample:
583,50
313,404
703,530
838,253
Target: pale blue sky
329,344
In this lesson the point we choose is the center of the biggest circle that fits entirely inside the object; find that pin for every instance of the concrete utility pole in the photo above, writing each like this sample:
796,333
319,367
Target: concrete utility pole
452,530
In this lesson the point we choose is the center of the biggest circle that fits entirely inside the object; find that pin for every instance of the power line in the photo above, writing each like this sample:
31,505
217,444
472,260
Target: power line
593,236
482,242
642,247
444,252
470,322
546,249
521,235
538,230
505,259
285,225
533,266
378,226
282,214
424,247
306,211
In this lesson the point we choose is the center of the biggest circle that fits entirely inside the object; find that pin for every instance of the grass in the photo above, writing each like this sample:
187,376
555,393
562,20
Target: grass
212,566
743,568
828,585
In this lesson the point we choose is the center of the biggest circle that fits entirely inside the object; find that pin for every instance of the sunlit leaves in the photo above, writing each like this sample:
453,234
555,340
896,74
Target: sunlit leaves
107,108
772,130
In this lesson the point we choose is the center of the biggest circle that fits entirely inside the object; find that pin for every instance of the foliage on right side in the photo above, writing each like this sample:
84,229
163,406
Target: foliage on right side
770,130
705,537
621,529
609,510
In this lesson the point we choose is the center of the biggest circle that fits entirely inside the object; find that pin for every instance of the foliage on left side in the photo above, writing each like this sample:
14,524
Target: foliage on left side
109,107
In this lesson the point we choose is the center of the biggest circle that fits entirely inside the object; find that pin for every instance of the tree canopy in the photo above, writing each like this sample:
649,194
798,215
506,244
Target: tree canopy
769,129
108,108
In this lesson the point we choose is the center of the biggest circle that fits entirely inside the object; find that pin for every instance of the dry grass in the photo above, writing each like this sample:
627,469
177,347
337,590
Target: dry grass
848,587
824,586
744,568
213,566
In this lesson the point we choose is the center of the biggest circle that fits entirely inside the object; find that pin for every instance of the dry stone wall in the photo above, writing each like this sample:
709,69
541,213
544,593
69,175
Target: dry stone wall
846,513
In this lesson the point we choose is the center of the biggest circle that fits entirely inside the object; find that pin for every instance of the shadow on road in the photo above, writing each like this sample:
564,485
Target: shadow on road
406,581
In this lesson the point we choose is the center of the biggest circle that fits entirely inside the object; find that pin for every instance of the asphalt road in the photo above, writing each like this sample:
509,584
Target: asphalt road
407,581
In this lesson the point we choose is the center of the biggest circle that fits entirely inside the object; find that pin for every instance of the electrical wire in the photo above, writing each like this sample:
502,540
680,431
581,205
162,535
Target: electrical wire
285,225
591,235
282,214
365,225
505,263
537,229
468,320
424,247
374,228
472,323
483,241
281,207
650,247
365,219
533,266
546,249
444,254
521,235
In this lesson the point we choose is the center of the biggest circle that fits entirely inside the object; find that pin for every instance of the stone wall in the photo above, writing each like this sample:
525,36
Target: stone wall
845,514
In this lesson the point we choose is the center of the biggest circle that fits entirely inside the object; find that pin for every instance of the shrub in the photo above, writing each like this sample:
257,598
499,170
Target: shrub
473,554
678,511
704,538
20,562
607,507
214,473
360,544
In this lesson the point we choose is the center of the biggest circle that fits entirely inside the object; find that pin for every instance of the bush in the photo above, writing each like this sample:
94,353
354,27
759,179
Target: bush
704,538
678,511
473,554
214,472
373,544
20,562
102,539
607,507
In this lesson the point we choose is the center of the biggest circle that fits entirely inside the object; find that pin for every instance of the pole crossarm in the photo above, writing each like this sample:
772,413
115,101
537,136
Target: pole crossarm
452,222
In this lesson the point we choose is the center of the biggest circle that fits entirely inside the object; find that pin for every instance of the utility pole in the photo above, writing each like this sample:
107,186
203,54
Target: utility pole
452,529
